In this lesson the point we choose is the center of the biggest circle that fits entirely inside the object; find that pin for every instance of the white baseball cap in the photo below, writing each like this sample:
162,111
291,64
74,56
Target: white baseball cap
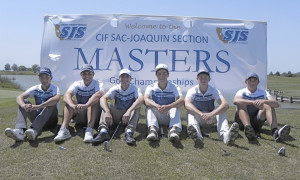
125,71
203,71
161,66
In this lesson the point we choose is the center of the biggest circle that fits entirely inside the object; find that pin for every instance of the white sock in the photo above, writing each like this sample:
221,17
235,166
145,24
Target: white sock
129,131
103,130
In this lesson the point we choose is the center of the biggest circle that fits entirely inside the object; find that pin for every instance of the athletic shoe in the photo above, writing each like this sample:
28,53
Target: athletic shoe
62,134
129,138
88,136
192,132
101,137
282,132
31,134
152,136
249,132
173,136
16,134
232,134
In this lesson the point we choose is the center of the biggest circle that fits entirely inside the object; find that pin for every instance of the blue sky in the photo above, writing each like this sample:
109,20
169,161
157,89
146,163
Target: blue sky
22,23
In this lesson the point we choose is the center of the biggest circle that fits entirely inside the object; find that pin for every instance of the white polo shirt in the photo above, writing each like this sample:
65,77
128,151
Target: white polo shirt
258,94
40,95
163,97
124,99
204,102
83,92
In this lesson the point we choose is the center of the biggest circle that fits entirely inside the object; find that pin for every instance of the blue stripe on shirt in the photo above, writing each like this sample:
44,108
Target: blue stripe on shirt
124,101
163,98
83,96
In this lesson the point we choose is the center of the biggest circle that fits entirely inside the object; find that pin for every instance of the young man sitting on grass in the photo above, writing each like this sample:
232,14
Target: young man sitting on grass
163,100
254,107
201,111
85,110
126,109
43,115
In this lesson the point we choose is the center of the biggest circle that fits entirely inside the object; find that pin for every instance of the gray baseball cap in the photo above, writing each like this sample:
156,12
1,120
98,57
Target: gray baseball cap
252,75
87,67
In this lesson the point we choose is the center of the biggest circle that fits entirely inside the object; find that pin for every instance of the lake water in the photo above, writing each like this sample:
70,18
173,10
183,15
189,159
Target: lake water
26,81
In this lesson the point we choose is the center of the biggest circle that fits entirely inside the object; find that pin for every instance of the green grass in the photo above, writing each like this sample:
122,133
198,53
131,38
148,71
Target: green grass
289,85
7,84
43,159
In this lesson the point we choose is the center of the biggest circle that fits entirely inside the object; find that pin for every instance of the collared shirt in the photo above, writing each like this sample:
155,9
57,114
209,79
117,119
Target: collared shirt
124,99
83,92
258,94
163,97
40,95
204,102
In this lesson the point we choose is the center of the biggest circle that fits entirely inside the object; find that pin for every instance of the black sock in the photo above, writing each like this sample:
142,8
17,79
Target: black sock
273,130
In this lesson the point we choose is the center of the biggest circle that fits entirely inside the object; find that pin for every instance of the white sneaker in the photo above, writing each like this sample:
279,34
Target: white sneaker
16,134
232,134
31,134
152,136
62,134
88,136
173,136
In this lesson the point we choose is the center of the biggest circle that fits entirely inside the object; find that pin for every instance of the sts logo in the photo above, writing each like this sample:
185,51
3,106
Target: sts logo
233,35
70,31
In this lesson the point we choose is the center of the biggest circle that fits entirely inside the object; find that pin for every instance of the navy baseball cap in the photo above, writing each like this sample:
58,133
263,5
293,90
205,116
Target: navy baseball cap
87,67
203,71
45,71
252,75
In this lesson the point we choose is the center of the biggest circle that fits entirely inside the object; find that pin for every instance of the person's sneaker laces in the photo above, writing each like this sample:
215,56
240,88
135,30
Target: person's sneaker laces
16,134
232,135
63,134
88,135
101,137
152,136
192,132
173,136
249,132
282,132
129,138
31,134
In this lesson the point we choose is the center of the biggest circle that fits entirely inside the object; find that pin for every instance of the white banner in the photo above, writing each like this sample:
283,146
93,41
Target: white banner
229,49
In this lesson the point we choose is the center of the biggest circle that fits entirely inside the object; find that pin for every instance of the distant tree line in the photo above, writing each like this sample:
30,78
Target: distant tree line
288,74
36,68
15,67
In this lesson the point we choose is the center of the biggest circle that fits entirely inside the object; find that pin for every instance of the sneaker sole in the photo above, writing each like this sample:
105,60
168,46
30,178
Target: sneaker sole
233,133
62,139
30,136
88,140
175,138
152,139
285,131
192,132
249,133
12,135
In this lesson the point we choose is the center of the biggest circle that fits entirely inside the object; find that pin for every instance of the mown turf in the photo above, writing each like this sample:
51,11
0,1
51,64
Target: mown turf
43,159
